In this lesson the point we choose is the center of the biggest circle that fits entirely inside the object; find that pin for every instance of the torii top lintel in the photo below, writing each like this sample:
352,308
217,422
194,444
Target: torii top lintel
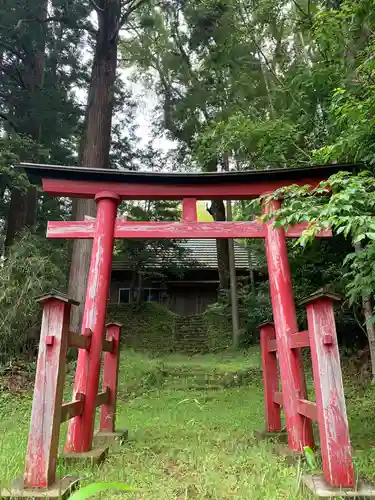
80,182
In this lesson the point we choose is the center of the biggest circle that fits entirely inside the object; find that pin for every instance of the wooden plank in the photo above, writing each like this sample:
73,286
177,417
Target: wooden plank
71,410
103,397
300,339
278,398
168,230
160,230
270,379
110,378
332,418
79,341
144,191
308,409
272,346
107,345
42,448
71,229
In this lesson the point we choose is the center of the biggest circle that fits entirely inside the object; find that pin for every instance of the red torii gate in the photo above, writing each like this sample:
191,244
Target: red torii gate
108,187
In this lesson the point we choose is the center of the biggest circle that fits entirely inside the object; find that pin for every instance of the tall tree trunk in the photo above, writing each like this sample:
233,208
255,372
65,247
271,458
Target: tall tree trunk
16,216
23,205
249,256
95,143
217,210
370,327
80,263
232,272
233,285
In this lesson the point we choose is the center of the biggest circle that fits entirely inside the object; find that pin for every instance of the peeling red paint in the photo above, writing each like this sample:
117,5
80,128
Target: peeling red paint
166,230
189,210
293,383
270,378
110,379
300,339
81,428
42,448
329,392
47,413
136,191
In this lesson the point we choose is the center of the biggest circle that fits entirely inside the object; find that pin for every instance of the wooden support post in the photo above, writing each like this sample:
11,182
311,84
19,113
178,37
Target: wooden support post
189,210
42,448
103,397
270,379
110,379
80,341
81,428
72,409
293,383
330,401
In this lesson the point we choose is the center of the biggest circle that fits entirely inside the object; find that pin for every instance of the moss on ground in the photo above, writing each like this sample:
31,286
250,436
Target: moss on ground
152,327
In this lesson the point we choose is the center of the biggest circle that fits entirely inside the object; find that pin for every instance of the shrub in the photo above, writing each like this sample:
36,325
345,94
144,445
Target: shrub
29,270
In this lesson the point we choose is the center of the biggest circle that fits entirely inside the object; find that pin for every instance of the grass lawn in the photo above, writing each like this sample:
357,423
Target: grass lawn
190,424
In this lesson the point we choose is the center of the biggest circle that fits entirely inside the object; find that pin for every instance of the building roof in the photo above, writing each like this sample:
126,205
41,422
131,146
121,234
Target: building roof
35,172
199,254
204,254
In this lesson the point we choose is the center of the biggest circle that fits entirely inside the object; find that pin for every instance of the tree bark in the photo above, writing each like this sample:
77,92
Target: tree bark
233,285
249,256
217,211
95,143
23,205
370,327
16,216
80,263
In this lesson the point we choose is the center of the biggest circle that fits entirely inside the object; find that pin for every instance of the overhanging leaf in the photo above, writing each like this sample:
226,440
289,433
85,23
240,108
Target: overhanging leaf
310,458
94,488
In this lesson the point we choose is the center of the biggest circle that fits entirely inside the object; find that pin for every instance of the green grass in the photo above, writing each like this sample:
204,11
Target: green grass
190,422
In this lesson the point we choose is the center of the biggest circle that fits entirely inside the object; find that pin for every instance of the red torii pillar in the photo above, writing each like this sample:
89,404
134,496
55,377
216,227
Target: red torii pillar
105,228
81,428
299,428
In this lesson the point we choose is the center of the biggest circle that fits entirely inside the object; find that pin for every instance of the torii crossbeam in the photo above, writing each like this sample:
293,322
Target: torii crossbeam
187,229
108,187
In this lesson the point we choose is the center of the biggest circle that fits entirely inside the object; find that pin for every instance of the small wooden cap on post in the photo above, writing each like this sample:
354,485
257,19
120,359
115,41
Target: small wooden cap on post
113,323
55,294
322,293
266,323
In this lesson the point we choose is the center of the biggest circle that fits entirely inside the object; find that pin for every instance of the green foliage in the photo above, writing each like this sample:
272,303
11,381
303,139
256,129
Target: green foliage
345,203
27,272
254,308
310,458
153,327
201,427
149,325
252,141
272,83
96,488
12,151
218,326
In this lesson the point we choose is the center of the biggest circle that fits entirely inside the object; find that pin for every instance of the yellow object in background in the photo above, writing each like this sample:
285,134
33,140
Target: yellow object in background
202,214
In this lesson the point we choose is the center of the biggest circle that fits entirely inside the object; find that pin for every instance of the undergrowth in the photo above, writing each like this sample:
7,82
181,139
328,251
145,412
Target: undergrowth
191,423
